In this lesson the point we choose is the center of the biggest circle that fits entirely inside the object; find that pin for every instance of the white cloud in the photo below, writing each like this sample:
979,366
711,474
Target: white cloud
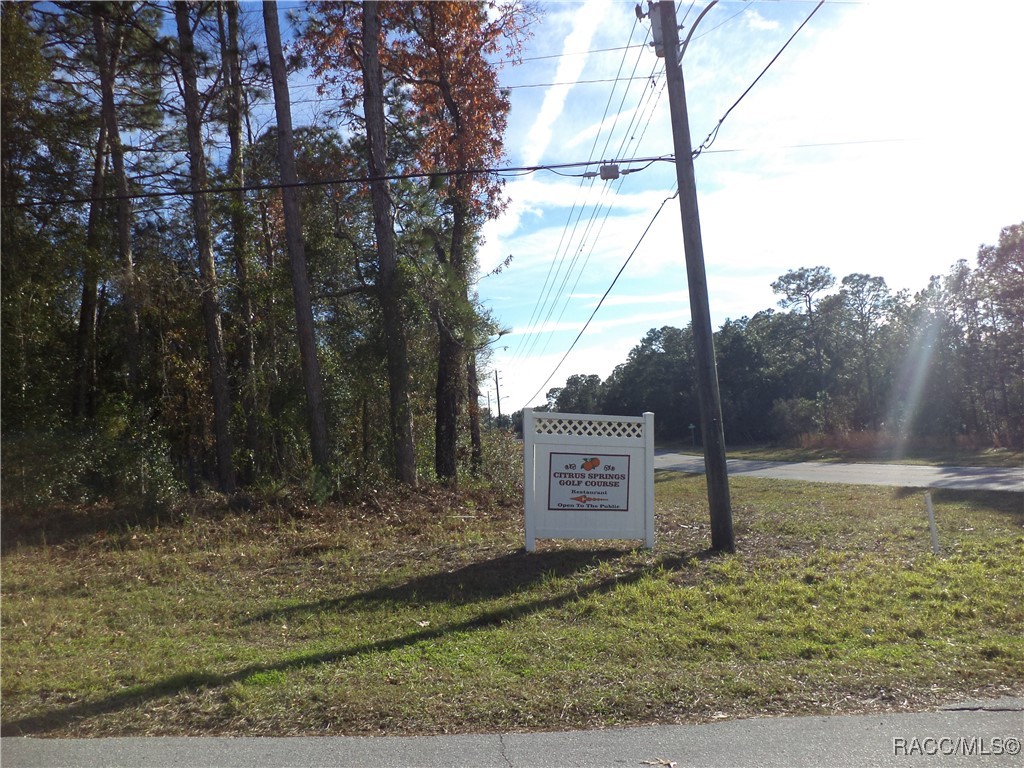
595,129
634,299
756,21
602,322
585,23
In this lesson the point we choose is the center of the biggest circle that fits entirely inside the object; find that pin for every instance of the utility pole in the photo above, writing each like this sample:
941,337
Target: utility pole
497,391
712,429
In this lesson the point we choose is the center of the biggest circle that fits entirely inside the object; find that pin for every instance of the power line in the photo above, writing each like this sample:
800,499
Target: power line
590,232
549,295
560,291
714,131
574,82
605,296
512,171
521,86
722,24
552,273
570,53
810,145
595,225
704,146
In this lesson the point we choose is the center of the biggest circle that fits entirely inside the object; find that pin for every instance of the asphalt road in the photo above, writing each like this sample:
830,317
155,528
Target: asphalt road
970,734
901,475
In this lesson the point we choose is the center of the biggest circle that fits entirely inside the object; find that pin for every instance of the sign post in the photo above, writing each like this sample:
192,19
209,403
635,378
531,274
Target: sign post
588,477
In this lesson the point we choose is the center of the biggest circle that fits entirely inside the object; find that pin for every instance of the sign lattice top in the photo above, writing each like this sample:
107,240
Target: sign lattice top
589,428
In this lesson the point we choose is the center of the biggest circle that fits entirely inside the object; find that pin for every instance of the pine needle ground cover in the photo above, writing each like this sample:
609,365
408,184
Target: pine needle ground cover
410,614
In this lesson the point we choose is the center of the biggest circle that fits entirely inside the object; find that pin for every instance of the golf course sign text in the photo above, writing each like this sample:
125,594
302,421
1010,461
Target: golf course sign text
588,482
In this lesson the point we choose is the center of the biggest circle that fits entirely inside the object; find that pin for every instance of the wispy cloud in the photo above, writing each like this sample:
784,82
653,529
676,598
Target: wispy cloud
585,23
759,23
629,300
595,129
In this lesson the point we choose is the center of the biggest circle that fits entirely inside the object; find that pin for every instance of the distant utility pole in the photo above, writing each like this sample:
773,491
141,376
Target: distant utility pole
666,39
497,391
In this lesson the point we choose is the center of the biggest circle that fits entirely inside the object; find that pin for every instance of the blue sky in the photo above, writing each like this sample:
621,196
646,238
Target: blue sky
914,107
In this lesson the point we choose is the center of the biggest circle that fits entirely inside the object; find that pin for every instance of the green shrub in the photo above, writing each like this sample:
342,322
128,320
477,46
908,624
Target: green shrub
126,465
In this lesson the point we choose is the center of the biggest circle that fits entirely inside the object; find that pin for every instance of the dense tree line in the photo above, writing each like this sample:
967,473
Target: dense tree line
187,300
944,365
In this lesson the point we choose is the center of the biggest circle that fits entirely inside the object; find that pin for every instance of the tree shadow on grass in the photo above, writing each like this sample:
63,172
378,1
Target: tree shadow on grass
25,525
479,581
532,566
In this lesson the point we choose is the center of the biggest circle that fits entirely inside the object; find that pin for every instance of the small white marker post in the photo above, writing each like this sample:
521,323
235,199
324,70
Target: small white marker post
931,523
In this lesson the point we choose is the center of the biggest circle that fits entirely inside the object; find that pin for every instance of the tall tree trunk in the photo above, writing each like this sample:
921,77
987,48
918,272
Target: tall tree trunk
296,247
819,360
272,373
83,403
389,283
108,49
207,268
473,404
446,405
240,221
451,353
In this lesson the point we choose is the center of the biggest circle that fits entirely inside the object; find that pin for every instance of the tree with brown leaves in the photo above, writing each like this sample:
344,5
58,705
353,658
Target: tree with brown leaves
442,56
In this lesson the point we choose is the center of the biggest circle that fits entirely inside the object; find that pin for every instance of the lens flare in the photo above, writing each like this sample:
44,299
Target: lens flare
905,401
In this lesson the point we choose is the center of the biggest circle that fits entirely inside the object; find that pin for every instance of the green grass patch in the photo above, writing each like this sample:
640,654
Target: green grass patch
422,614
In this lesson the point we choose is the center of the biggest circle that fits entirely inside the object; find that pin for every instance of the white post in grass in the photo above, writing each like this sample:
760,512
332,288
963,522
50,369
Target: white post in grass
931,523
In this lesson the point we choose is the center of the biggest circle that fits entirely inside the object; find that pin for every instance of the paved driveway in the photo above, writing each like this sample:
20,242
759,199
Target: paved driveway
902,475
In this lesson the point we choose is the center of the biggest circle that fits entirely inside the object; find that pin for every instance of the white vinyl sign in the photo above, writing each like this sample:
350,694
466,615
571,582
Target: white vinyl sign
588,476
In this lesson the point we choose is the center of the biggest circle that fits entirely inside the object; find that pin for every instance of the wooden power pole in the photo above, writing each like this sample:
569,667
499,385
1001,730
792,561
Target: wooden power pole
712,429
497,391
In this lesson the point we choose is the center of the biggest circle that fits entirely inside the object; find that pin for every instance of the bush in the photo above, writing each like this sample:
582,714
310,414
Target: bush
130,466
795,416
502,469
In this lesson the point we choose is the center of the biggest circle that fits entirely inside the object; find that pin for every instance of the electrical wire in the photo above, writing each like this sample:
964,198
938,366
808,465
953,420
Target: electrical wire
592,232
714,131
573,238
703,147
705,32
570,53
605,296
564,295
598,219
548,296
509,171
574,82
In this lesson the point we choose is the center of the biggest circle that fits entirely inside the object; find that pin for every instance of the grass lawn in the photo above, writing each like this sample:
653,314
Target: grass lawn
423,614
